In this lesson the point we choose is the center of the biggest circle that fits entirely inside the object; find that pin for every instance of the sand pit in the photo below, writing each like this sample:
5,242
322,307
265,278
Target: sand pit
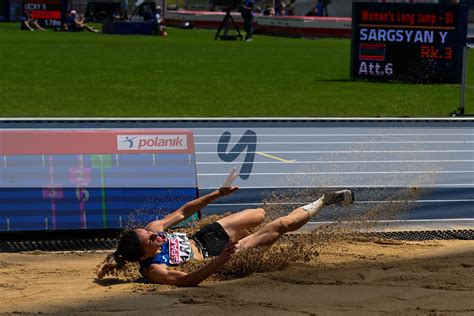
359,277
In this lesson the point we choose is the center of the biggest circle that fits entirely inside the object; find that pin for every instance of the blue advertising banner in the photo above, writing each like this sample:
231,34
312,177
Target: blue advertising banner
93,179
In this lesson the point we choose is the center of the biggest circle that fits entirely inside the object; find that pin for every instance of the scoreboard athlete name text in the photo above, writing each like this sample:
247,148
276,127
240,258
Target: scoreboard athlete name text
408,42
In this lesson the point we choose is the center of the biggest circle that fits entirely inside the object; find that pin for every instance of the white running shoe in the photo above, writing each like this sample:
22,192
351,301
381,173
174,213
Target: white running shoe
339,198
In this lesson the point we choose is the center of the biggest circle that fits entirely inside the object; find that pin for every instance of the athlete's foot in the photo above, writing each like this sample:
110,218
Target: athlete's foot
339,198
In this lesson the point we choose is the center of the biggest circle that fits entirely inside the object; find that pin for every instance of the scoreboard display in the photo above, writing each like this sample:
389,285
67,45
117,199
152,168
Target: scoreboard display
408,42
93,179
47,12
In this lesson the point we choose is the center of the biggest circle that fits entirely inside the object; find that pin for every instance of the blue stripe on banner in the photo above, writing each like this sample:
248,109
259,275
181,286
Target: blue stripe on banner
74,160
140,177
19,195
123,206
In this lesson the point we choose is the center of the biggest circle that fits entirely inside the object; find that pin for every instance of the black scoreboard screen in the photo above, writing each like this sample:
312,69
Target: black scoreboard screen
47,12
408,42
4,11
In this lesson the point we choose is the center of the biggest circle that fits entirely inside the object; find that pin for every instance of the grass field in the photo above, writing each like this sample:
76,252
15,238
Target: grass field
188,74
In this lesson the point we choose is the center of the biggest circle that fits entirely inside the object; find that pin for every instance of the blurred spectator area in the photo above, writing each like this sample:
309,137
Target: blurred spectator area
337,8
101,11
470,3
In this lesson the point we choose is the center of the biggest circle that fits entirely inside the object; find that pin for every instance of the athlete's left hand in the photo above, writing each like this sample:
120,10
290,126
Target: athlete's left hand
227,191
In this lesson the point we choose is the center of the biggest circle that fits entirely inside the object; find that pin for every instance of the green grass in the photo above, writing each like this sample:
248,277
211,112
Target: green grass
188,74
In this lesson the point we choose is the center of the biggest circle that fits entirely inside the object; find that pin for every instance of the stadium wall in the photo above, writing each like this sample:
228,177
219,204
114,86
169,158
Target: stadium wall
294,26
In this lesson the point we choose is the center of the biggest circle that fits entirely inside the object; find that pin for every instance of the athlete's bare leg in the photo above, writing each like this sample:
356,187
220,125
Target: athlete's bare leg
236,224
270,233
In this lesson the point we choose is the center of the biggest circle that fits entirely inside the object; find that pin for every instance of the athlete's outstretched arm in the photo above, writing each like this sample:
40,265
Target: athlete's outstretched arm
188,209
159,273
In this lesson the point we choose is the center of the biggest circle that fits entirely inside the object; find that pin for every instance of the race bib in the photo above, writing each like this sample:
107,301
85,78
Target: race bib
180,248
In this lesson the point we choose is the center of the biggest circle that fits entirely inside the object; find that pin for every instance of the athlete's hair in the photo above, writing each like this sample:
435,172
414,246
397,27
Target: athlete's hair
129,247
128,250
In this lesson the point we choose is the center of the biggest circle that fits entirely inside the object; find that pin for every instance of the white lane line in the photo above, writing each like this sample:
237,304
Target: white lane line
355,202
408,222
414,201
427,220
344,143
345,151
347,135
356,185
343,162
341,173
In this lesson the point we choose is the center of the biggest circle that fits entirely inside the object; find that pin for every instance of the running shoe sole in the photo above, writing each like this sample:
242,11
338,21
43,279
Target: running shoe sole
340,198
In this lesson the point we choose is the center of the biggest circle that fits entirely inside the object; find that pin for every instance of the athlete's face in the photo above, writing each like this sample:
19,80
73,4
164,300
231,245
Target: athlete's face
149,240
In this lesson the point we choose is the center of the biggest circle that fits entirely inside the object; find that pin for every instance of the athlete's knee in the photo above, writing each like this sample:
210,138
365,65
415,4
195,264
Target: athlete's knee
260,213
255,215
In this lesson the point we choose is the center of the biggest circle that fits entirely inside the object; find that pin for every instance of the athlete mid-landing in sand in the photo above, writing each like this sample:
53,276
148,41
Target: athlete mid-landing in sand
156,249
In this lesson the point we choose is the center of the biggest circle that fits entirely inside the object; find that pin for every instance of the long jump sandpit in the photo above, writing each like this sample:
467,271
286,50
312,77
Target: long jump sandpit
358,277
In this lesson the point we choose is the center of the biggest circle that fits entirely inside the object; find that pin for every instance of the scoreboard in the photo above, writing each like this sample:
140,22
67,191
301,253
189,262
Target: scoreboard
4,10
93,179
48,12
408,42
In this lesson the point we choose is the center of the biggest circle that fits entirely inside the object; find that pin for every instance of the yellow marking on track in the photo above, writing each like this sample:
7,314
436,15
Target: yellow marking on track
273,157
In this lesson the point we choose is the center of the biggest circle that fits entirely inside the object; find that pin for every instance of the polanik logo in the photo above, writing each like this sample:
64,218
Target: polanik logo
152,142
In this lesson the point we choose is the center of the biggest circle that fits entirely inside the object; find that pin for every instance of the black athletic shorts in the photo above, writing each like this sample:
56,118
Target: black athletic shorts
211,239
